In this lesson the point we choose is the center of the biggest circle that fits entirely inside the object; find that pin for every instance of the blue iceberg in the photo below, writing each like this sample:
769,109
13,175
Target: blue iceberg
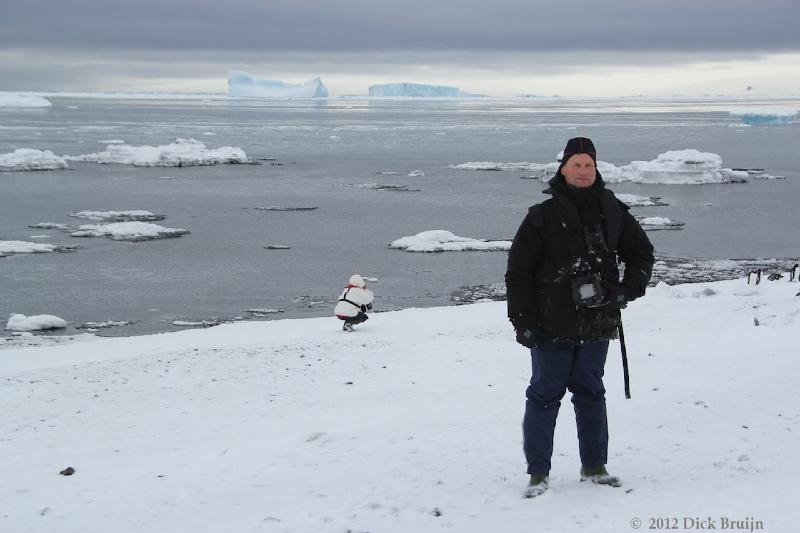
765,116
244,84
414,89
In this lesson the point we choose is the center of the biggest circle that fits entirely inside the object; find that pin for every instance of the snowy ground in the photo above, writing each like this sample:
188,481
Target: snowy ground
412,423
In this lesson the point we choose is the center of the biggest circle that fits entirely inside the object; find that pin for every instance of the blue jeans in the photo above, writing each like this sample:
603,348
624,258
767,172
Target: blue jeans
556,368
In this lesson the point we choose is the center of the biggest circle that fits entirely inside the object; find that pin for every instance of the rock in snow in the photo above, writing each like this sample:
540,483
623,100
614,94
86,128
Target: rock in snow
19,322
244,84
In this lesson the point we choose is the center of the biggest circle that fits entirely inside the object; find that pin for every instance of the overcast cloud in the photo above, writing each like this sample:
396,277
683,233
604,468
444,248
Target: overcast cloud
92,44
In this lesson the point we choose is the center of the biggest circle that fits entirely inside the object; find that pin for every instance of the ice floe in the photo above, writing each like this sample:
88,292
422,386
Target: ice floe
659,223
181,153
673,167
379,187
416,173
31,159
118,216
24,247
51,225
444,241
19,322
635,200
94,326
764,116
8,99
277,247
262,312
128,231
286,208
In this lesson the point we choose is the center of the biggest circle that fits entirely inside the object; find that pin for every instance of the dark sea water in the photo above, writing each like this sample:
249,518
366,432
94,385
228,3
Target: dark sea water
222,268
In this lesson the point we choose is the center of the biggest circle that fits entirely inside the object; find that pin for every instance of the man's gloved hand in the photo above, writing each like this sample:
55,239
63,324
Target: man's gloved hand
616,296
525,326
369,307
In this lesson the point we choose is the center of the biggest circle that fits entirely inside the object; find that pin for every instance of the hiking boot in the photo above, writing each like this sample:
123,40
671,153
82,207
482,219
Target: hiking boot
537,485
599,475
347,326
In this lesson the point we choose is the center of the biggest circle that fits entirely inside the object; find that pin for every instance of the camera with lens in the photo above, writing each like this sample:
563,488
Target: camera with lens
587,291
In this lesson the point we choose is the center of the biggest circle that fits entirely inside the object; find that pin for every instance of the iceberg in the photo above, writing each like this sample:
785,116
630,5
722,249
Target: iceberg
22,100
181,153
244,84
31,159
414,89
764,117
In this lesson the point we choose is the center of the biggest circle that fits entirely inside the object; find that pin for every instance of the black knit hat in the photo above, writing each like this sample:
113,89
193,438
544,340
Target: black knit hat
579,145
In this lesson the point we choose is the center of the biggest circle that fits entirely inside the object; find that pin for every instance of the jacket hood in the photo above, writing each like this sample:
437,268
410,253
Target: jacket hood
357,281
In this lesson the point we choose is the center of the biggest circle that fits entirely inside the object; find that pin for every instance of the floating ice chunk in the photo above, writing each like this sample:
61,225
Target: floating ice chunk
658,223
31,159
50,225
679,166
413,90
112,141
281,208
118,216
416,174
765,116
24,247
674,167
8,99
264,311
129,231
93,326
491,165
19,322
635,200
379,187
244,84
181,153
444,241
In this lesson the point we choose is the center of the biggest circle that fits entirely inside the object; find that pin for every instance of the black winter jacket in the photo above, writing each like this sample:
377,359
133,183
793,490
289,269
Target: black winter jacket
550,250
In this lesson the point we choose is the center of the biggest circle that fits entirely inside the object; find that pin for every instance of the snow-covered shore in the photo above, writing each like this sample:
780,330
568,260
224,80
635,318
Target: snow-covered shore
411,423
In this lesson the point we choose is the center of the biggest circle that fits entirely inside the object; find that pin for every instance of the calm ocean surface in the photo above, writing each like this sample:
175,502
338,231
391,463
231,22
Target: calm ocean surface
222,269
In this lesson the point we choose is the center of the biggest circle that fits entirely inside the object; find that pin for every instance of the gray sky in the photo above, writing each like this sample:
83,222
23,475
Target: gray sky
496,46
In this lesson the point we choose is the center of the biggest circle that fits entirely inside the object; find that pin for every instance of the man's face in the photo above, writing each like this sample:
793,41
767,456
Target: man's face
580,171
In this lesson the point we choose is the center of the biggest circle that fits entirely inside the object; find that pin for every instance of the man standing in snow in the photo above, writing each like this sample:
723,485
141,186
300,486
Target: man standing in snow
564,296
354,302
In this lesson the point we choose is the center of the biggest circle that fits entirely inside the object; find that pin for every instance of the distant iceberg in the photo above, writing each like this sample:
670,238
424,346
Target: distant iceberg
22,100
764,116
414,89
244,84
